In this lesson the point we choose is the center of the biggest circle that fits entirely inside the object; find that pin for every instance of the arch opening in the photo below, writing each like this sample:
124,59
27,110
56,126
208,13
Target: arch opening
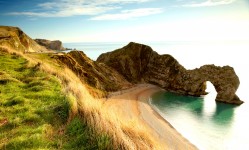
210,89
209,99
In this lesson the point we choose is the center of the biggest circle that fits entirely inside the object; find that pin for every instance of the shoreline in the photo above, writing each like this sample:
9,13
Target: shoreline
186,143
133,103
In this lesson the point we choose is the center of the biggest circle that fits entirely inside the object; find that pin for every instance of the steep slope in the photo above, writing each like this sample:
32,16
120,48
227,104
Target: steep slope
15,38
97,75
139,63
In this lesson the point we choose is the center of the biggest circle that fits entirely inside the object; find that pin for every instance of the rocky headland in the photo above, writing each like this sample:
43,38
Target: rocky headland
138,63
53,45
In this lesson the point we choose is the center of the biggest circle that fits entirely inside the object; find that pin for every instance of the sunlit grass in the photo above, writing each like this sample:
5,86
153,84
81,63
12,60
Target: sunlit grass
35,110
83,136
41,97
31,106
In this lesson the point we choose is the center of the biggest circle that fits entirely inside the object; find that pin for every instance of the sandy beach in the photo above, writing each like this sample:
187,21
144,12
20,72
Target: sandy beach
133,103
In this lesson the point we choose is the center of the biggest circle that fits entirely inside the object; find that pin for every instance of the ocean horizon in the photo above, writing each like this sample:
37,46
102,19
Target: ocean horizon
207,124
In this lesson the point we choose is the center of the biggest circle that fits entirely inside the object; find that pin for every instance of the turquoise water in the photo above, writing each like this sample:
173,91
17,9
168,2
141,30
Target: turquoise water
207,124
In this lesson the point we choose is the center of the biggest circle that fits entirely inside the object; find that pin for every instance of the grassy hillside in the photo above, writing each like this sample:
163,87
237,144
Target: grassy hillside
34,110
37,94
44,104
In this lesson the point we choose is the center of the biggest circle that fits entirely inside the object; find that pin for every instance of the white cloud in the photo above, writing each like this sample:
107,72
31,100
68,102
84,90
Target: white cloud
72,11
209,3
127,14
67,8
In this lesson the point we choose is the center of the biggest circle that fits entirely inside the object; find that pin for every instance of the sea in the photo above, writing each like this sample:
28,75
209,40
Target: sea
208,124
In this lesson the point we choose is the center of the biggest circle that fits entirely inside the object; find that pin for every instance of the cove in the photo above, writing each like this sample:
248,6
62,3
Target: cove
203,121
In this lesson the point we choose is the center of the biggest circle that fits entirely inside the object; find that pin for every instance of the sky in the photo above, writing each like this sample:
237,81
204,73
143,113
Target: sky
129,20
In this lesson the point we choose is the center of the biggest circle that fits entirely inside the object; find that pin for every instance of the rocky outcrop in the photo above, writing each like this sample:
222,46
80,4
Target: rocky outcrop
96,75
54,45
139,63
224,79
15,38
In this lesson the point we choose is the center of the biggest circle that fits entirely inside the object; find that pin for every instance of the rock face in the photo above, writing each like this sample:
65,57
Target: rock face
54,45
15,38
139,63
224,79
96,75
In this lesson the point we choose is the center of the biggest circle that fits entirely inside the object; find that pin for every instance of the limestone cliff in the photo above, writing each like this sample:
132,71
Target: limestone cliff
15,38
54,45
97,75
139,63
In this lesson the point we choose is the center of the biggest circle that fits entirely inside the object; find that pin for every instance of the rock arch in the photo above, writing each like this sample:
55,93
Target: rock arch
139,63
224,80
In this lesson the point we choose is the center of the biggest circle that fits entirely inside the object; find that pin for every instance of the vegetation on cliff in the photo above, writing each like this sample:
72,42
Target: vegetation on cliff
97,75
35,110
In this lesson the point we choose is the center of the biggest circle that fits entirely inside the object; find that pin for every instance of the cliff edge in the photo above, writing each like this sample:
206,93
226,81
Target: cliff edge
138,63
15,38
96,75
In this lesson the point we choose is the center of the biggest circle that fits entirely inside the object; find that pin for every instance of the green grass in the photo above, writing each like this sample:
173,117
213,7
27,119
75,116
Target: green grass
34,111
83,137
31,102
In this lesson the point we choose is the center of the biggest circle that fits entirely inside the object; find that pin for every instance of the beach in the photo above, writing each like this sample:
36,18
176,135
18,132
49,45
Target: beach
133,104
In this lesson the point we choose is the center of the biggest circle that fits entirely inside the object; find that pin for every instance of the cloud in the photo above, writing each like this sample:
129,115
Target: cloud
209,3
128,14
67,8
72,11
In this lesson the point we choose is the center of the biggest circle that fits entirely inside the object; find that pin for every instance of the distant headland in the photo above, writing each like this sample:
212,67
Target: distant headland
54,45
